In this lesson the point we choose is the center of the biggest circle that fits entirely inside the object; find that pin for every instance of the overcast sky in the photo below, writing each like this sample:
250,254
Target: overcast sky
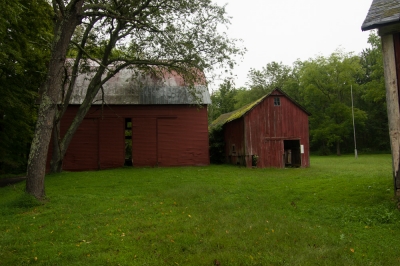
287,30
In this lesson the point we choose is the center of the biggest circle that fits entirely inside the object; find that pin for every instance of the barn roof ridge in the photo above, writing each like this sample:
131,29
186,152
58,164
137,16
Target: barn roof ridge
228,117
381,13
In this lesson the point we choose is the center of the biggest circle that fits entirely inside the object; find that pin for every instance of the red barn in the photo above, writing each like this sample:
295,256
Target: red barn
270,132
153,122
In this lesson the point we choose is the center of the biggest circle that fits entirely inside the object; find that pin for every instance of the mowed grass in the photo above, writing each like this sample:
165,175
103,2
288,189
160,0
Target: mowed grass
340,211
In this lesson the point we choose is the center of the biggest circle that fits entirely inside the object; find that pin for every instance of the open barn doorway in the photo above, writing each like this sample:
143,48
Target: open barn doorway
128,142
292,153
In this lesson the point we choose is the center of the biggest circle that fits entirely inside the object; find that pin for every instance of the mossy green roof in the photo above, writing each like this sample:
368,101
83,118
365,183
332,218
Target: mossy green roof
228,117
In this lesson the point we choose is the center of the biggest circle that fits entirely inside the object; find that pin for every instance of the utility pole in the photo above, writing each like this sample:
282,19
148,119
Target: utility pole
354,126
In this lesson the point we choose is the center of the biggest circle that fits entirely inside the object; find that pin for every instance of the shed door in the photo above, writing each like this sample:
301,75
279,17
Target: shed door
292,155
273,153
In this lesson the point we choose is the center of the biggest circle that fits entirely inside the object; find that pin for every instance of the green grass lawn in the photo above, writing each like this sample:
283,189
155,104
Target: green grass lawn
340,211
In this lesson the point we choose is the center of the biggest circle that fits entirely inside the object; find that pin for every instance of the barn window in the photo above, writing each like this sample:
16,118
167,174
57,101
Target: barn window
233,148
277,101
128,142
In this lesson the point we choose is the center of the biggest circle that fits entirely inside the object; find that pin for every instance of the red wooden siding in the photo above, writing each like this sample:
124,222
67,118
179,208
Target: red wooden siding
164,135
234,142
170,148
144,141
111,142
85,156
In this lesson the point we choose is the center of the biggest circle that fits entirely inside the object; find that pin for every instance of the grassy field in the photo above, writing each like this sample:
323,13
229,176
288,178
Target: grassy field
340,211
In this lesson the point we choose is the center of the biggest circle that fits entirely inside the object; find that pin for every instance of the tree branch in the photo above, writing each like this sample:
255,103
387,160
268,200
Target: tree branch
88,55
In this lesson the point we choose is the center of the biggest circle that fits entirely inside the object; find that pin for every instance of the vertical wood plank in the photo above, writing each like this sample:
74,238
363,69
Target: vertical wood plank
392,99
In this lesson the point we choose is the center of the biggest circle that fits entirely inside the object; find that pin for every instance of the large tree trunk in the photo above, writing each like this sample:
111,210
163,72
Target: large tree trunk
56,160
65,27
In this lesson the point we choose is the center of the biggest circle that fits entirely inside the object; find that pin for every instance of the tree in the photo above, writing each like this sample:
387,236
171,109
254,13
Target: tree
25,30
222,101
325,85
151,35
273,75
373,96
261,82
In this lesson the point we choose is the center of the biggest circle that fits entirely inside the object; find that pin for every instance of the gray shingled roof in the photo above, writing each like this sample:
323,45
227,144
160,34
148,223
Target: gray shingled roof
381,13
129,87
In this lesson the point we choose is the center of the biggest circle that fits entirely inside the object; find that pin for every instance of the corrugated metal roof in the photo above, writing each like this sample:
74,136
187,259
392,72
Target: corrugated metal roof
228,117
381,13
130,87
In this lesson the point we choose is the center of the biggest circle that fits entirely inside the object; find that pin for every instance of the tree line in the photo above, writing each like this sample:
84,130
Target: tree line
324,85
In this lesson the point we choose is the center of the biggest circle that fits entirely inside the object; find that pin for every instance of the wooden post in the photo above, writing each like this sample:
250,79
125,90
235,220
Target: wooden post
392,99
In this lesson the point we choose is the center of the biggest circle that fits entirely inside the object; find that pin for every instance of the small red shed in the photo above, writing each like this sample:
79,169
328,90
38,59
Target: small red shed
154,122
270,132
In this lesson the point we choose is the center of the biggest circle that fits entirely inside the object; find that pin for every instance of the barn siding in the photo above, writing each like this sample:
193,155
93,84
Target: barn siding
234,136
165,135
85,155
111,142
172,150
144,141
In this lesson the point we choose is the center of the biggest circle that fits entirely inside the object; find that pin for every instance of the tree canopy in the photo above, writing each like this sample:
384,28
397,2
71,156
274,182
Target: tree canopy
25,33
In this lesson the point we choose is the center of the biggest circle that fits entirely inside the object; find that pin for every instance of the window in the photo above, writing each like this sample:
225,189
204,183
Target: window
277,101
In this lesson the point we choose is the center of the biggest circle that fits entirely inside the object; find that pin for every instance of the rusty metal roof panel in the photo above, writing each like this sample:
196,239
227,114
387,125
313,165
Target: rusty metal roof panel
130,87
381,13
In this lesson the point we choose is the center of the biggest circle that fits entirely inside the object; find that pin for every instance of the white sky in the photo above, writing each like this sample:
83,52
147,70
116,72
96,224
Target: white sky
287,30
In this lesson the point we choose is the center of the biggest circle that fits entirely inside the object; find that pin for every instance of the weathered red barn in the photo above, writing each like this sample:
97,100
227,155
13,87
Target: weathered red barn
153,122
270,132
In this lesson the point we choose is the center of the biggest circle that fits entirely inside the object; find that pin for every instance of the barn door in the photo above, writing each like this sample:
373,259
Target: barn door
273,154
97,144
292,154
